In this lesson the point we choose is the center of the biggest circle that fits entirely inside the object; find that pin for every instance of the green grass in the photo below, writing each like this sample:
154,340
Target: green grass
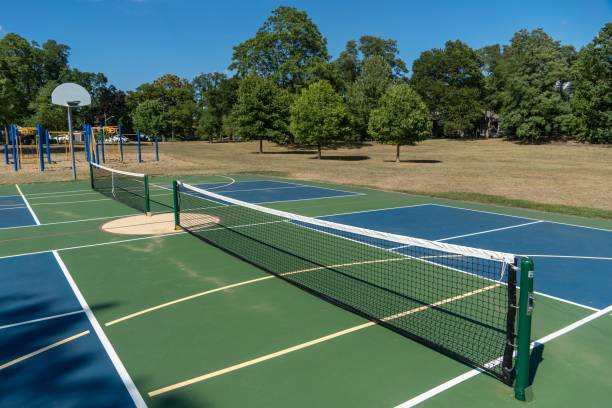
526,204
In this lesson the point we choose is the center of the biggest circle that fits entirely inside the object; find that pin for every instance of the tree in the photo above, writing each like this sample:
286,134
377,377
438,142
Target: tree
283,48
150,117
451,83
348,65
175,100
261,110
371,46
365,92
318,116
592,89
215,95
532,78
401,119
44,112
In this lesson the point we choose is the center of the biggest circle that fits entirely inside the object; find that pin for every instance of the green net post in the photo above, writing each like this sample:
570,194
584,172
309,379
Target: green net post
525,311
175,200
147,203
91,177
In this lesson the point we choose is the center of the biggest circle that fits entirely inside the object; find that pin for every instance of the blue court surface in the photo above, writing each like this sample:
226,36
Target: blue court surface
54,352
269,191
51,354
573,263
14,212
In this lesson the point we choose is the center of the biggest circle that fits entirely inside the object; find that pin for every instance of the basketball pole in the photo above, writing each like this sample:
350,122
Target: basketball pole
70,138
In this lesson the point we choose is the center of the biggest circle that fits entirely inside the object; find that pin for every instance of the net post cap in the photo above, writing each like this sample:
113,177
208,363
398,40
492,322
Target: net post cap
70,94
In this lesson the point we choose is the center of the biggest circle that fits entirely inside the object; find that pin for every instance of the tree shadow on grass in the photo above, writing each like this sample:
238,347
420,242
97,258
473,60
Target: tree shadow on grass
343,158
288,152
421,161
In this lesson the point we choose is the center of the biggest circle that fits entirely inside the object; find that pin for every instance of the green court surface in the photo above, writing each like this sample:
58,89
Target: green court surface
203,332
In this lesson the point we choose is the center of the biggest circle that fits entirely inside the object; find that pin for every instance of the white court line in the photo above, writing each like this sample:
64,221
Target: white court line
374,210
25,200
121,241
69,222
310,199
64,195
125,377
42,319
58,192
11,204
474,372
525,218
74,202
13,208
43,349
476,233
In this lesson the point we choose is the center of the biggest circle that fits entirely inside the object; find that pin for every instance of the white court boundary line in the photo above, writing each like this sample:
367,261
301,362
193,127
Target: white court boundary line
474,372
25,200
41,319
125,377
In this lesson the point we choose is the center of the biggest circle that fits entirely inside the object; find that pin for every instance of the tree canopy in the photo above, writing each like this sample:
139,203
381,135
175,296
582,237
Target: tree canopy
173,98
261,111
318,116
401,119
451,82
533,89
592,89
365,92
284,48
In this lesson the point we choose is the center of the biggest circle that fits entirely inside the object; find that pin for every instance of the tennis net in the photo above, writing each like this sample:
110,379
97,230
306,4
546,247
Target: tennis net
131,189
458,300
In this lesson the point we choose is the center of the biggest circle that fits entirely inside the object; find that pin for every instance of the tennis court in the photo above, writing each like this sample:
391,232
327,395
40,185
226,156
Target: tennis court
170,320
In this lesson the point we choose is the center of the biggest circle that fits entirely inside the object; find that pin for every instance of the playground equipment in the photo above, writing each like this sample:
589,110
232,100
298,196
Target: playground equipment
27,144
100,140
100,143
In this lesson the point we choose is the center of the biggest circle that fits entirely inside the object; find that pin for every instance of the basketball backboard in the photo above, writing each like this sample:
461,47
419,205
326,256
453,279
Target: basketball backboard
69,94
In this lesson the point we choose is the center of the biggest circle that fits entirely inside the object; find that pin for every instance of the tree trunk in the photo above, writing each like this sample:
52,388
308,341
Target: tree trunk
319,151
397,153
260,146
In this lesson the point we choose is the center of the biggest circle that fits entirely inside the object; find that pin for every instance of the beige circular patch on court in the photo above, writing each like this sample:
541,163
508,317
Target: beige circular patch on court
141,225
157,224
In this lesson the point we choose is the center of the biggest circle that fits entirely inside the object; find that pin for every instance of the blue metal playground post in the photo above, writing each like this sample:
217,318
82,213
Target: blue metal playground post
41,152
14,147
120,134
86,141
156,149
48,147
102,142
139,148
6,154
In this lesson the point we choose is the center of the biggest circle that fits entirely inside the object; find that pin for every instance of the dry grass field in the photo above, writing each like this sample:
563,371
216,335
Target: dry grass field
496,171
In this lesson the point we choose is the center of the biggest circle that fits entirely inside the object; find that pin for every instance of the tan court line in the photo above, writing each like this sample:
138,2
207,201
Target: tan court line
234,285
42,350
279,353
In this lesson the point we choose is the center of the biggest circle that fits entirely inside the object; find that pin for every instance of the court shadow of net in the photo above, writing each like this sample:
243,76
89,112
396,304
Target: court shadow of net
535,359
343,158
417,161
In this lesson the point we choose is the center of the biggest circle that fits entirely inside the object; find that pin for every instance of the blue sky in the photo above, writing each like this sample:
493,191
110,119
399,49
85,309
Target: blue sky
135,41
